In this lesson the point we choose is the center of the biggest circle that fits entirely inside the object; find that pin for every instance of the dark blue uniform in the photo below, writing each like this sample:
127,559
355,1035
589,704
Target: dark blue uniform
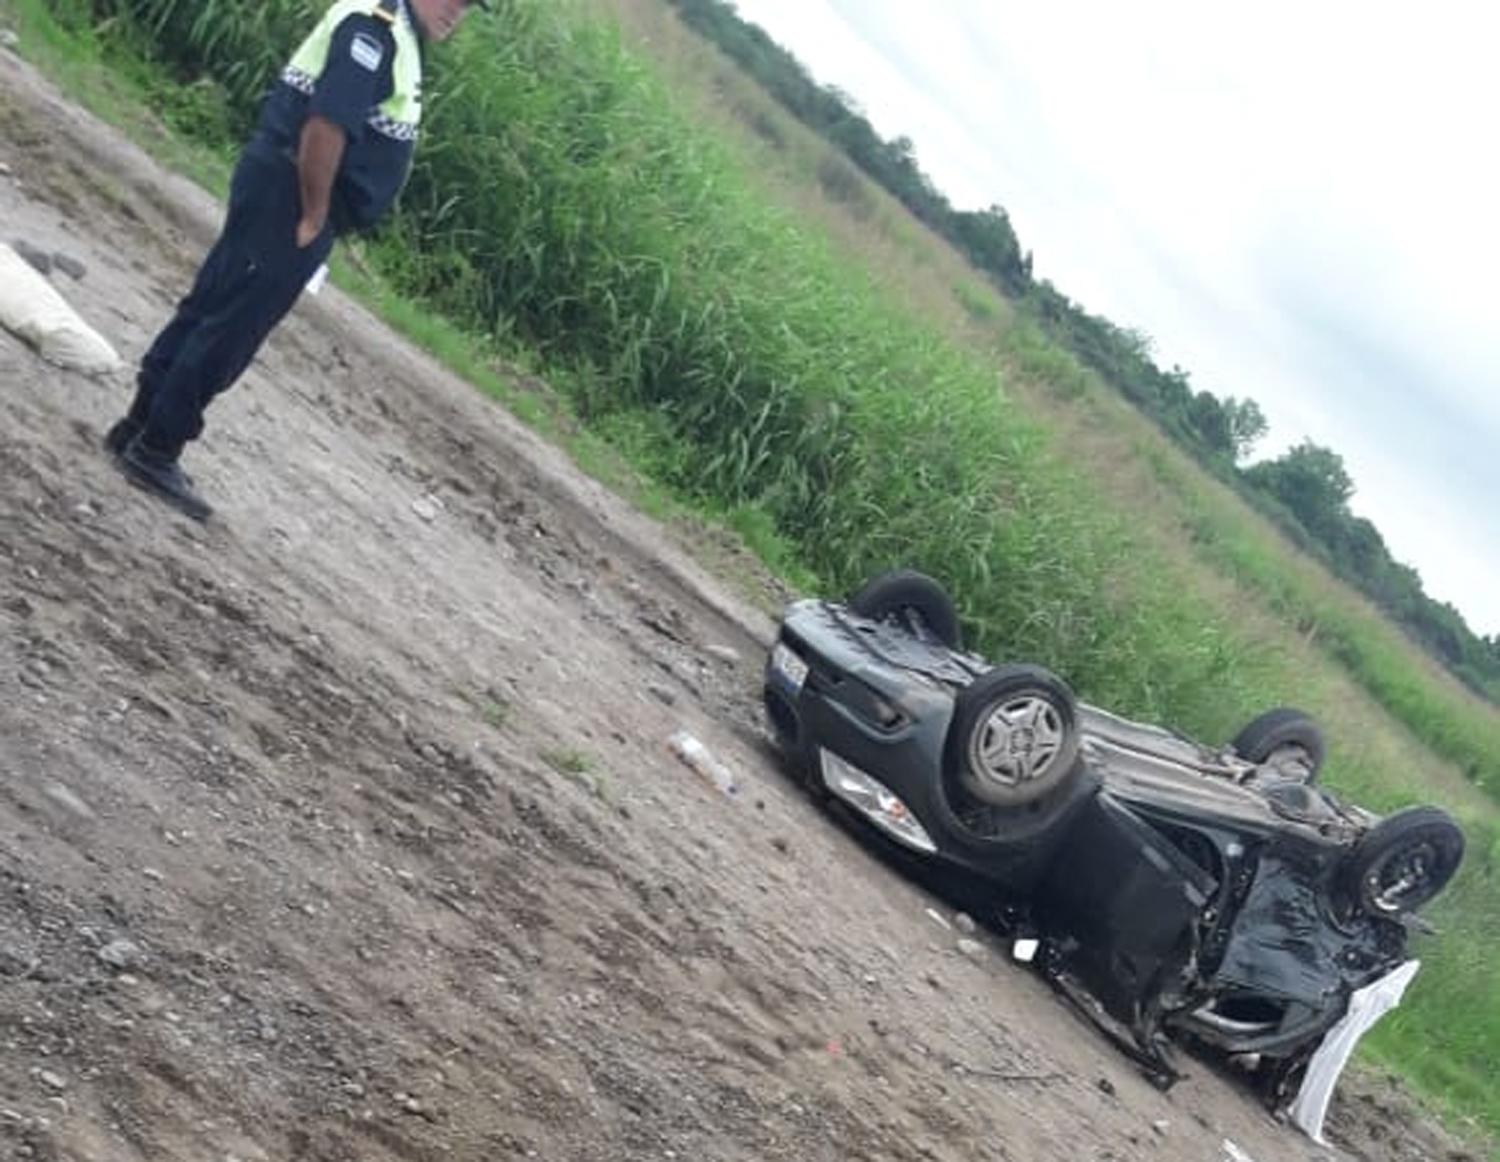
255,271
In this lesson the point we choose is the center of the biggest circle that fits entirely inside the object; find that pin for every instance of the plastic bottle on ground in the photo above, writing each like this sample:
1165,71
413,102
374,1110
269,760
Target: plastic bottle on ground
697,756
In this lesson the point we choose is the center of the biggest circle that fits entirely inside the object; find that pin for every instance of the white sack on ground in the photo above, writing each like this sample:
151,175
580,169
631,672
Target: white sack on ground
32,309
1366,1007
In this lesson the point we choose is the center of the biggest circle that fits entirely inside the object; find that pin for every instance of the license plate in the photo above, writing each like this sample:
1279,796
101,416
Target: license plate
789,670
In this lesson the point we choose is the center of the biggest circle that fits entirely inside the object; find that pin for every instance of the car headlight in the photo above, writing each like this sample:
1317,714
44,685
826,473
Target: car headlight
875,801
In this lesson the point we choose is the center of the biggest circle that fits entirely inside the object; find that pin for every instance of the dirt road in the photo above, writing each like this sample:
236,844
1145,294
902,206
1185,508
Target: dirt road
345,828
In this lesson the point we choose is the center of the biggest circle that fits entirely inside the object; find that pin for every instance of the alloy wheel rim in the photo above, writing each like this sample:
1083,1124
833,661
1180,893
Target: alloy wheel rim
1020,741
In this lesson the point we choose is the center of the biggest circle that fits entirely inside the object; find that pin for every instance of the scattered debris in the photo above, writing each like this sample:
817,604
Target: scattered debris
69,265
1233,1153
939,919
427,507
995,1074
697,756
121,954
35,256
67,798
50,1080
16,960
1161,1126
971,948
726,654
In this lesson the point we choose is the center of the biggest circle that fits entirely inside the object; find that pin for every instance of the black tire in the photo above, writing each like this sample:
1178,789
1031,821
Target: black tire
913,600
1014,737
1419,847
1292,733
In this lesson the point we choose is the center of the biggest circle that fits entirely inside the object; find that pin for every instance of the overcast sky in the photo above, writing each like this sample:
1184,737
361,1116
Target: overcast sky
1298,202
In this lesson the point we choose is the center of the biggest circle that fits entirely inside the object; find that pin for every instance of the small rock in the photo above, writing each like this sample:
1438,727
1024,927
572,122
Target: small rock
971,948
51,1080
726,654
121,954
5,170
15,960
9,39
69,265
152,874
965,924
34,255
1161,1126
781,845
662,694
1106,1086
426,507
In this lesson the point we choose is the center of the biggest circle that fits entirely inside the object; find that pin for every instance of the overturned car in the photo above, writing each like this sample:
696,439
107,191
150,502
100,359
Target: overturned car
1170,888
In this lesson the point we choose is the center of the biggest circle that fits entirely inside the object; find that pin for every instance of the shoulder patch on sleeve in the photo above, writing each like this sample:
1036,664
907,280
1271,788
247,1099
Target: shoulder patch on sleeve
366,51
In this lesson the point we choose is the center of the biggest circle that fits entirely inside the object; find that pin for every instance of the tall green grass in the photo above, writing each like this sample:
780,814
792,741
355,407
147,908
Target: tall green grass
562,202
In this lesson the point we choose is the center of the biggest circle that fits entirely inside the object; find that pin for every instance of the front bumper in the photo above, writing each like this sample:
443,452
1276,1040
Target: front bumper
885,727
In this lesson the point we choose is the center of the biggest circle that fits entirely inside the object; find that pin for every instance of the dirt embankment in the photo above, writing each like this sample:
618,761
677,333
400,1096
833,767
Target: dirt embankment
345,828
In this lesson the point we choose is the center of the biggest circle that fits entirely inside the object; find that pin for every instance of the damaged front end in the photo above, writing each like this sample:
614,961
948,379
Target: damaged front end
1155,924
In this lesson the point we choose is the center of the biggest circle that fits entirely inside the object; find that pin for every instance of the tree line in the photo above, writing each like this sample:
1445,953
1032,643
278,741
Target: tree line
1306,490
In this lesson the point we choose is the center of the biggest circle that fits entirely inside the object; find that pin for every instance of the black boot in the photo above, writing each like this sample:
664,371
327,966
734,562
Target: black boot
158,472
119,436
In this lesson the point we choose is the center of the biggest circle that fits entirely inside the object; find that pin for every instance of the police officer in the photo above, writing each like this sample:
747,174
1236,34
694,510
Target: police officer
331,152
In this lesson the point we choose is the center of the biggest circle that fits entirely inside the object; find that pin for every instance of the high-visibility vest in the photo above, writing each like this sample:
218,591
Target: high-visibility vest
398,115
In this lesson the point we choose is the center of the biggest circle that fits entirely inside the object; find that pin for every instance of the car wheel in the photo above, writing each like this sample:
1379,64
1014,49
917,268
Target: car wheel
1286,740
1404,861
912,600
1014,737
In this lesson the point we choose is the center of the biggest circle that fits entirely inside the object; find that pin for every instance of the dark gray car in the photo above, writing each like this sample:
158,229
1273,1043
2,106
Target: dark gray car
1170,886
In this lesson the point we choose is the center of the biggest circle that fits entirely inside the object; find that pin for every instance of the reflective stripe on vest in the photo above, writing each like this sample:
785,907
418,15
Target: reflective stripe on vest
399,114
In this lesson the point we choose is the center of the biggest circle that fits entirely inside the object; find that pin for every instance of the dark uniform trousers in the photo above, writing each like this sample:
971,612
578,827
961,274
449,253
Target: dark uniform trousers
247,284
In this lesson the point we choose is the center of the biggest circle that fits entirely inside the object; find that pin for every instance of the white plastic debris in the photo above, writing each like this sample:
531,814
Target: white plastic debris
697,756
1024,950
1366,1007
320,276
33,310
1233,1153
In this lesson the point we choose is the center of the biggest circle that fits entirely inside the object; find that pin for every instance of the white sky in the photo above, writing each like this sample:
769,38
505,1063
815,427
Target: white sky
1298,202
